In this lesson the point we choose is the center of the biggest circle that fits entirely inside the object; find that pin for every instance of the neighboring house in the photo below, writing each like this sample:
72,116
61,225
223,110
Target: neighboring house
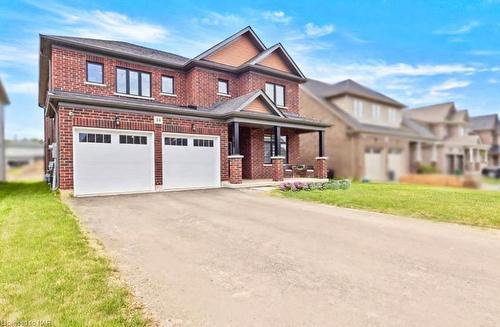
370,137
4,100
487,127
125,118
457,150
23,152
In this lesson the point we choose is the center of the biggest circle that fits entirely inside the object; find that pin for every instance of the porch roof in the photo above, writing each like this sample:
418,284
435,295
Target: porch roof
86,100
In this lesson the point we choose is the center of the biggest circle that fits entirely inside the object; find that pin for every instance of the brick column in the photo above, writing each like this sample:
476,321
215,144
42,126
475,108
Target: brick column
321,170
277,168
235,169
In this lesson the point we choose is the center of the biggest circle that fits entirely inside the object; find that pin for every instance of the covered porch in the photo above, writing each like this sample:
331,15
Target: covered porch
268,152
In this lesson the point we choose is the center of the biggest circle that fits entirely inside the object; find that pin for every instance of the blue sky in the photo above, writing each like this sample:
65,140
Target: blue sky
419,52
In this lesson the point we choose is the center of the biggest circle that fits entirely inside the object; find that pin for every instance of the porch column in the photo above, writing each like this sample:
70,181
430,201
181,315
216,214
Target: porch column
418,158
277,160
434,153
235,159
321,144
471,156
485,156
321,169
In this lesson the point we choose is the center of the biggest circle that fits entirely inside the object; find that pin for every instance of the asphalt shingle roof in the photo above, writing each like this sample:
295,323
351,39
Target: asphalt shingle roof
486,122
125,48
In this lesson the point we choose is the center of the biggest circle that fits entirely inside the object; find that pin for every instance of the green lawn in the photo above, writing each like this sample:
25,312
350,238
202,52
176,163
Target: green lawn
464,206
489,180
49,271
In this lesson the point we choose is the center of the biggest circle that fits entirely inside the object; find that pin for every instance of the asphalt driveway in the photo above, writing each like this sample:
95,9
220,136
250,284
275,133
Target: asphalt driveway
242,258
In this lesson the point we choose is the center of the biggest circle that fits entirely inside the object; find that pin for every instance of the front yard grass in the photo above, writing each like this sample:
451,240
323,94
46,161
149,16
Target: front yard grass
48,269
464,206
490,180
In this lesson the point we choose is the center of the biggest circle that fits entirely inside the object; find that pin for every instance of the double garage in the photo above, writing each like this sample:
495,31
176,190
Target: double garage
109,161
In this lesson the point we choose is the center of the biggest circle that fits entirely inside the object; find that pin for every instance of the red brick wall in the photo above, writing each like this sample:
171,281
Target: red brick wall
131,121
251,81
252,148
197,87
69,74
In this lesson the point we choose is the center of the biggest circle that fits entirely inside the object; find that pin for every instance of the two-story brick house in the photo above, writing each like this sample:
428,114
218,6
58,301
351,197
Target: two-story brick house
123,118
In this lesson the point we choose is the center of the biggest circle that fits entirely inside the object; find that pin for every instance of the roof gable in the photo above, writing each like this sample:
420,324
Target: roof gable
486,122
437,113
4,99
236,49
352,88
276,57
256,101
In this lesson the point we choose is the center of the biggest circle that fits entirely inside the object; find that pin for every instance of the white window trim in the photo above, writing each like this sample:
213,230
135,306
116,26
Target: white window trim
133,96
94,84
375,112
169,94
224,94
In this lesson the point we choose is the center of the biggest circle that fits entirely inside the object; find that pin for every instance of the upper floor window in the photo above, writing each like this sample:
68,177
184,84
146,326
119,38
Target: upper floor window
277,93
167,84
133,82
95,72
376,112
358,108
223,86
392,115
461,131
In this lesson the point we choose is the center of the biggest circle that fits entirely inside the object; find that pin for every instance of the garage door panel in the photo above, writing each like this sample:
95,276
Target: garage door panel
101,168
190,166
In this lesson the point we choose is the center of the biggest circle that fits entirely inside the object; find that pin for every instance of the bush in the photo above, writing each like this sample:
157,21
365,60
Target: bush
427,169
332,184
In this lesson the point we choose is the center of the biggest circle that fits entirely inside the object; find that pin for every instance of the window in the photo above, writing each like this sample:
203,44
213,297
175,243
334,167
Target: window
461,130
94,138
223,87
203,143
269,148
392,115
133,82
176,141
95,72
133,139
167,84
358,108
376,112
276,93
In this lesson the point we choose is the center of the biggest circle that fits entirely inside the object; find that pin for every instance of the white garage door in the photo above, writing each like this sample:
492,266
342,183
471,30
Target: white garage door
191,161
109,161
395,163
374,165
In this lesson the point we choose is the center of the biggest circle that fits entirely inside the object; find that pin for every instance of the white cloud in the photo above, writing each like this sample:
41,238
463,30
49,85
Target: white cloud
492,81
276,16
464,29
30,88
373,70
317,30
104,24
450,84
221,19
485,52
18,55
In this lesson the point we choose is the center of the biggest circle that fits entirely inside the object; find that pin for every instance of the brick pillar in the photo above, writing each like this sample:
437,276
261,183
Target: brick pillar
277,168
235,169
321,170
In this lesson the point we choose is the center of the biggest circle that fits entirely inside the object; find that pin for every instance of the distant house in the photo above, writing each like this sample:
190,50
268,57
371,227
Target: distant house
487,127
23,152
370,138
4,100
458,150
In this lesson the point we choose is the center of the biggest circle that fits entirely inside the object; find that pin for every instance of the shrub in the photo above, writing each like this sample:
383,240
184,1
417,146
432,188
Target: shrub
427,169
337,184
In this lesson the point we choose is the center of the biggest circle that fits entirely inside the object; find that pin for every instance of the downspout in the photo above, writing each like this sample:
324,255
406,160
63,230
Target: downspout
54,147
